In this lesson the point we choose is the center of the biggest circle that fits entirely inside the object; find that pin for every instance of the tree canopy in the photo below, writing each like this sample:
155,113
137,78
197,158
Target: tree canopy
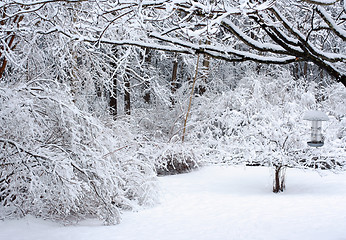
272,31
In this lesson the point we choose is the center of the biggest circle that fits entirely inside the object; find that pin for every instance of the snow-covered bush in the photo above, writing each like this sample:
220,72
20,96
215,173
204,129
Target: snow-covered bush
261,122
58,162
174,158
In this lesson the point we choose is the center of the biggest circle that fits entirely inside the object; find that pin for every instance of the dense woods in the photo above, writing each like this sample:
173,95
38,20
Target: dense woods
99,97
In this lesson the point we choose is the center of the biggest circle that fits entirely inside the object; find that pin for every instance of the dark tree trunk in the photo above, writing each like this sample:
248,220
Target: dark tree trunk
9,40
305,70
127,97
174,79
279,179
146,96
206,65
113,100
3,67
147,61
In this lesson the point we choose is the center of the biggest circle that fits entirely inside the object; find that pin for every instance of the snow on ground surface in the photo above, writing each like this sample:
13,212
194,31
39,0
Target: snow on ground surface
217,203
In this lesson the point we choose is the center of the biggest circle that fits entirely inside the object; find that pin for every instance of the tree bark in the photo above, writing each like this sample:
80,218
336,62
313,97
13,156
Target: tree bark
279,179
305,70
147,61
113,99
127,96
190,100
205,71
113,94
9,40
174,79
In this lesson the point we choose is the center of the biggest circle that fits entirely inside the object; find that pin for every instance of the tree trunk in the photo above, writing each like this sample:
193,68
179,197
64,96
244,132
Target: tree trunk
3,67
305,70
113,99
127,97
190,101
9,40
113,95
295,70
206,66
146,96
279,179
174,78
147,61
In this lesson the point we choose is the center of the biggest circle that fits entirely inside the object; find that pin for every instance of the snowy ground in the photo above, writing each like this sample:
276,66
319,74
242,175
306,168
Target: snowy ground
217,203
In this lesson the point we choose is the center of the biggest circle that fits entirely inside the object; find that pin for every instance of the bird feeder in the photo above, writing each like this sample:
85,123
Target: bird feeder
316,118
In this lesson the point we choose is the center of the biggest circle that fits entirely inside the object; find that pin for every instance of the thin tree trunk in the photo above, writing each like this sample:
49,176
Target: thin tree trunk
190,101
3,67
147,61
206,65
10,42
296,70
113,99
321,74
147,97
174,79
127,97
113,95
306,70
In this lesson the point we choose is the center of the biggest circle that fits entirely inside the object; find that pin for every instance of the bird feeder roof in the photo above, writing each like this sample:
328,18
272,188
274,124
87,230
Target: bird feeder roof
315,115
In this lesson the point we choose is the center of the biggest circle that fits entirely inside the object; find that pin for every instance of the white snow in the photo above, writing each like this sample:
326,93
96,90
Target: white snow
315,115
217,203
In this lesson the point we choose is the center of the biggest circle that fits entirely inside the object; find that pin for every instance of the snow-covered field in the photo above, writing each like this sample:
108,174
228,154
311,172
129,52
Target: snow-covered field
217,203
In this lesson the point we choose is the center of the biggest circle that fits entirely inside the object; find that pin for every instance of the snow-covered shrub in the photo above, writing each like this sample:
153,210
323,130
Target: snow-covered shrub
175,158
58,162
261,122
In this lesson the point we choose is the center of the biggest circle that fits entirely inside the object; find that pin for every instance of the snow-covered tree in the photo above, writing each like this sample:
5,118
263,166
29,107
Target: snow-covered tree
278,32
261,122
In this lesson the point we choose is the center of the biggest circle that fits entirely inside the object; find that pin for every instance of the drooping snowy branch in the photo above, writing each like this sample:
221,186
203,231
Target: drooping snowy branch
224,52
331,23
322,2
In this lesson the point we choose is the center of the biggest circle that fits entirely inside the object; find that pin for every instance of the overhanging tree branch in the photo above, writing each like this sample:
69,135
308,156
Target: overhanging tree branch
331,23
281,40
322,2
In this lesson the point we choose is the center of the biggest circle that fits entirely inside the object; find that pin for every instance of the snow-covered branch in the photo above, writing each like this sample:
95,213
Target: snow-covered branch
237,31
223,52
322,2
331,23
